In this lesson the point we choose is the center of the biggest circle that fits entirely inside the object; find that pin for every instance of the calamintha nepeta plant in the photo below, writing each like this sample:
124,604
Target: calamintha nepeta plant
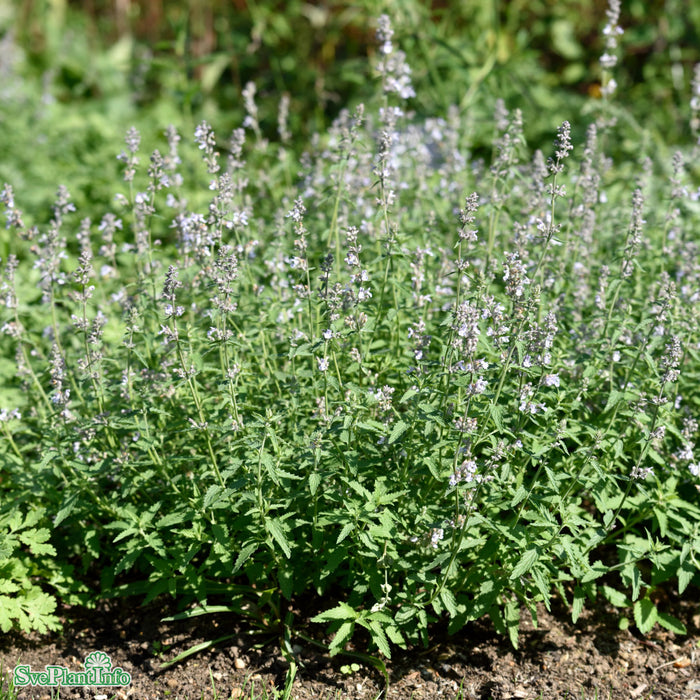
408,385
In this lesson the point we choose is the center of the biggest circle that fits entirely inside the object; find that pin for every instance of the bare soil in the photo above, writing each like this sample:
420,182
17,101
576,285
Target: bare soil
590,659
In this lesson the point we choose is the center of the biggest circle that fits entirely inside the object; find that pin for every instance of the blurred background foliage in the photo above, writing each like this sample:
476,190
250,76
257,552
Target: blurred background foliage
75,75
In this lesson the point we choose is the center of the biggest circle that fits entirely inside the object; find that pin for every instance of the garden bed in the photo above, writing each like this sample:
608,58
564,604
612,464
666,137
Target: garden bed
592,659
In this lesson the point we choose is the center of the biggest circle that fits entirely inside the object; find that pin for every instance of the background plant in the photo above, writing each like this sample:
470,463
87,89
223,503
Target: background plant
388,379
79,73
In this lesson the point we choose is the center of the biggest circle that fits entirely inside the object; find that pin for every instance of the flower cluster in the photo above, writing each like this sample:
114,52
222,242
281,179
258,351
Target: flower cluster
392,66
612,31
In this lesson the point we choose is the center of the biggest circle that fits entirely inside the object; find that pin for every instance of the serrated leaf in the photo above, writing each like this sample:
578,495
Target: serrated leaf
511,618
36,539
9,610
394,634
314,482
614,398
347,529
342,611
126,562
341,636
526,562
519,495
409,393
449,601
211,495
670,623
244,555
300,350
497,416
645,615
50,455
397,431
167,521
615,597
269,464
662,520
433,467
66,508
542,585
8,586
686,571
596,571
274,527
379,638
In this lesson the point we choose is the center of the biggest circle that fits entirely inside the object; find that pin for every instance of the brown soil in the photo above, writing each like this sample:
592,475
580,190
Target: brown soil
591,659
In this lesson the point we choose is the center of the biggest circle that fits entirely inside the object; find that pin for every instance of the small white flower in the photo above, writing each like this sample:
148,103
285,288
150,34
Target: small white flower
322,363
551,380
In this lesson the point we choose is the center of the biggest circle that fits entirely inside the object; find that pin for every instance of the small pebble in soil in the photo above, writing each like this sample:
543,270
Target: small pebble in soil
239,664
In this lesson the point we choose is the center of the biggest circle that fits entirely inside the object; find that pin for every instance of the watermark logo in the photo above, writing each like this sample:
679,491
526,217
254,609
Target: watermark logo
98,671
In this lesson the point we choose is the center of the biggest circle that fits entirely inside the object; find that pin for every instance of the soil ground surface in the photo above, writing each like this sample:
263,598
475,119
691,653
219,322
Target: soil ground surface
558,659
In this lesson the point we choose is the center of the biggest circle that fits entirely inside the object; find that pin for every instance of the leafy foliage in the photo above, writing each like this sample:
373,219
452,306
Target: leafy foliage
385,375
22,548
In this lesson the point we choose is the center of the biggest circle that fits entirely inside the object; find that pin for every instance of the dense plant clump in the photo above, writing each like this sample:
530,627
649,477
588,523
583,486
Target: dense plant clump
391,376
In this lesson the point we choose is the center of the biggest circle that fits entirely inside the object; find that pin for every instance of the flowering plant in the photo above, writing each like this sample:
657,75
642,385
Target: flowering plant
408,385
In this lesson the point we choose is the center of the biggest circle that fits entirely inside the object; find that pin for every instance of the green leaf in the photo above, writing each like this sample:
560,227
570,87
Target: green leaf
379,638
519,495
449,601
615,597
526,562
126,562
195,649
36,541
269,463
597,570
577,605
212,495
347,529
686,572
645,615
66,508
342,611
314,482
398,430
275,528
497,416
636,582
662,520
175,518
407,395
394,634
542,585
671,623
511,617
244,555
341,636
